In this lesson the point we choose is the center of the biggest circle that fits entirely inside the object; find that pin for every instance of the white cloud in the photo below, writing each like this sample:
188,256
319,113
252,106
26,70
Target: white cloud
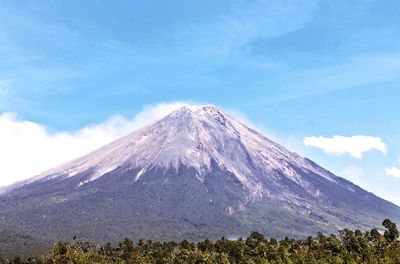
354,146
28,148
393,171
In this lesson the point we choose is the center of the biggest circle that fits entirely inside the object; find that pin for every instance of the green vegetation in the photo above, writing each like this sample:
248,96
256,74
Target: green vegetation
348,247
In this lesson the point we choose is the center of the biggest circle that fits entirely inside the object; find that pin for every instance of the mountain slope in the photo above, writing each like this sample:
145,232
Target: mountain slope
196,173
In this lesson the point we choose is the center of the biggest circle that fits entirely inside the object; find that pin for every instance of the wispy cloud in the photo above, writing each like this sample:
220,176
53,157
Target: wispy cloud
354,72
248,21
295,84
354,146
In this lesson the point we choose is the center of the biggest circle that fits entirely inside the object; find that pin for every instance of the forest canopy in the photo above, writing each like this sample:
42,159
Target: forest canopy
348,246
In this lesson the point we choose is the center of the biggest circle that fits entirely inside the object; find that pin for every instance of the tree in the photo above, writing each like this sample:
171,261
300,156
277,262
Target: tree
206,246
391,233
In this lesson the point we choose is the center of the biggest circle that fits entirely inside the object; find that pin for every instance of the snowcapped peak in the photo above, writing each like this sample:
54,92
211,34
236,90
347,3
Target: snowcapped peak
195,137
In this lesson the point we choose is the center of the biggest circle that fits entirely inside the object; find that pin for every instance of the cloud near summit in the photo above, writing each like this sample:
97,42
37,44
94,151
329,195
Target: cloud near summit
29,148
354,146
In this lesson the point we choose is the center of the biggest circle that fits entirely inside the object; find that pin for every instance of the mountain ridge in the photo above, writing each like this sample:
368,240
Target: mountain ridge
192,152
195,173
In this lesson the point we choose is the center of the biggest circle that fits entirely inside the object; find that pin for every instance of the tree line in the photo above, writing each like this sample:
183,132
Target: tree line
347,247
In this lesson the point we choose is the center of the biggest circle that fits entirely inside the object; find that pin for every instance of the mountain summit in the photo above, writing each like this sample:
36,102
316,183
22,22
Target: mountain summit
196,173
197,138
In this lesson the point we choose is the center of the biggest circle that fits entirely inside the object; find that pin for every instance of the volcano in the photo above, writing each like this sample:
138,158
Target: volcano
196,173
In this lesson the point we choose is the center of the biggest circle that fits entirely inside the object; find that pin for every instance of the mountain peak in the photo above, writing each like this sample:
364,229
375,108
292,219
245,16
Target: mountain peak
191,117
197,170
198,110
196,137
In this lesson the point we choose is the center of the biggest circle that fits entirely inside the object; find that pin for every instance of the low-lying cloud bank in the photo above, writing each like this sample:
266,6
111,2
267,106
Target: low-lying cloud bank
354,146
28,148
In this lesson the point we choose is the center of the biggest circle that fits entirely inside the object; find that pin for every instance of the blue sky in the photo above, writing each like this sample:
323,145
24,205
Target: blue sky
296,69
